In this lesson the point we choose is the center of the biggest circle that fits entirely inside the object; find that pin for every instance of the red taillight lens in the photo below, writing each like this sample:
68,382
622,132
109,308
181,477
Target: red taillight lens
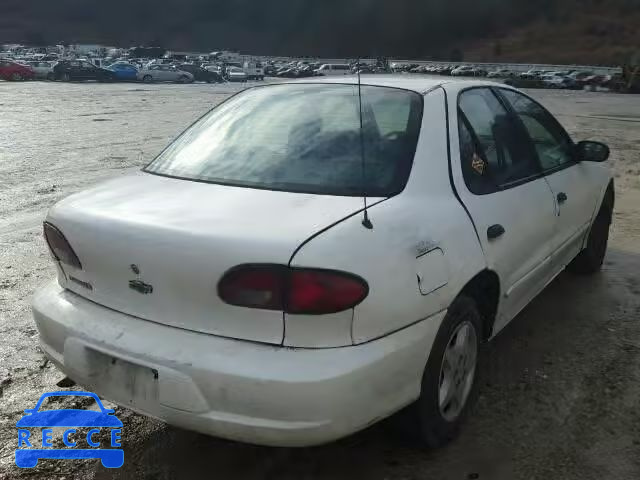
315,292
60,247
293,290
254,286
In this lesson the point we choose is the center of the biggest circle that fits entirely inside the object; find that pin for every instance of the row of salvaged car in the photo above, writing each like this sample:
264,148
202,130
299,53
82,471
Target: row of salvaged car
80,70
534,78
165,70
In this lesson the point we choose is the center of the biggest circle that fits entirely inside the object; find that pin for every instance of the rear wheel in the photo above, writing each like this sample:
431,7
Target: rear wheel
183,79
147,79
449,379
51,77
16,77
66,77
590,259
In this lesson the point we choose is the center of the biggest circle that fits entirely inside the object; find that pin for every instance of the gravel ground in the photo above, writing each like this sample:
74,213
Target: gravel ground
560,391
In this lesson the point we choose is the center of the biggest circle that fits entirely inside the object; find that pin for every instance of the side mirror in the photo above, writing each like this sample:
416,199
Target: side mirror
588,151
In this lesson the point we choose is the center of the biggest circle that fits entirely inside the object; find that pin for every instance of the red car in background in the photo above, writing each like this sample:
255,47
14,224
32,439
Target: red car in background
10,70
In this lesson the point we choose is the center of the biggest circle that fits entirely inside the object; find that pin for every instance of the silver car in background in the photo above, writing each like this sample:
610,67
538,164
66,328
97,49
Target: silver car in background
236,74
43,70
164,73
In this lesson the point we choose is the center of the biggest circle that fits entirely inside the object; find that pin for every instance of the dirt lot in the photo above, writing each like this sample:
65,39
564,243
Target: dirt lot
560,393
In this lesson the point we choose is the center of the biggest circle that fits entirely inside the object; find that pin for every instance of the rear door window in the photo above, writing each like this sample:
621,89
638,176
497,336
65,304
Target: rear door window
498,153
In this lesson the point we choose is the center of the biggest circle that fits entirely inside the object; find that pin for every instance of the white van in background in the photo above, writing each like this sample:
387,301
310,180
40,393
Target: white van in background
254,70
334,69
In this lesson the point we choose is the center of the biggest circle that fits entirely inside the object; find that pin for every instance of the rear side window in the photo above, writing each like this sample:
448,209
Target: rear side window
270,138
501,156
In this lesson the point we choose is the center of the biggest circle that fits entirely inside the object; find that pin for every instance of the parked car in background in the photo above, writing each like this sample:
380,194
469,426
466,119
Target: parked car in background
557,80
254,70
500,73
330,69
403,67
125,72
288,73
213,67
201,74
465,71
293,336
43,70
14,71
533,74
164,73
445,70
236,74
418,69
595,81
73,70
270,70
579,76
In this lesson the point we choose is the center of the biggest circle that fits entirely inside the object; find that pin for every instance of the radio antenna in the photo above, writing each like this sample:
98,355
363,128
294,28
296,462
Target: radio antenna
365,221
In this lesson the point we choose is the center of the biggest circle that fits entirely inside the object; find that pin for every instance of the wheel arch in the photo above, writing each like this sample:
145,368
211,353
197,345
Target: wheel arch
609,198
484,289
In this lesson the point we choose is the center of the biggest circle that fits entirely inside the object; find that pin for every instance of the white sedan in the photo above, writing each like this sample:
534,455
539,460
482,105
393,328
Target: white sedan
42,69
464,71
236,74
164,73
237,285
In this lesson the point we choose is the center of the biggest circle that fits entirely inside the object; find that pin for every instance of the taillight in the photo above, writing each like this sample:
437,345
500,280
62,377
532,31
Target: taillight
59,246
254,286
308,291
323,291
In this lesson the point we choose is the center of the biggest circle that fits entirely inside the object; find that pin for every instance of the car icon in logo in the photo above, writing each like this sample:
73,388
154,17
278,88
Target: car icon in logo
69,420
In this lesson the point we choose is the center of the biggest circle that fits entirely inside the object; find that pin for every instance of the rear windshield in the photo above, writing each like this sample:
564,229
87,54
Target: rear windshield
302,138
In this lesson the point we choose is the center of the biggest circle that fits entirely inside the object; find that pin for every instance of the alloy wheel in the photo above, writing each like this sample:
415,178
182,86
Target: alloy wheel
457,370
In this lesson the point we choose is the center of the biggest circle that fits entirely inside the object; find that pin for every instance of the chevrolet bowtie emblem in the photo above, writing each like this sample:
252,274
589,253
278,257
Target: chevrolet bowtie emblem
140,287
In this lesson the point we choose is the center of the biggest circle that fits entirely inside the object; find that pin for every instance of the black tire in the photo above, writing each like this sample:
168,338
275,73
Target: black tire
147,79
425,420
589,260
51,77
16,77
66,77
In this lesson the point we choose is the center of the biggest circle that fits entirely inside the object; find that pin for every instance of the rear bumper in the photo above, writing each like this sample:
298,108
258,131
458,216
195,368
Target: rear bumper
250,392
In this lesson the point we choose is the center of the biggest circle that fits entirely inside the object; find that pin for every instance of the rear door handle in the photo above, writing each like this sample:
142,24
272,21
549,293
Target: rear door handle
495,231
562,197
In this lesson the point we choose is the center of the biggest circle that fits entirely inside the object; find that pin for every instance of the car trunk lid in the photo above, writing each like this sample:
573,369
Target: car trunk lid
156,247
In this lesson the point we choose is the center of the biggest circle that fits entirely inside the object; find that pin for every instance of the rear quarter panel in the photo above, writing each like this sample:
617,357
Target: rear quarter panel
426,221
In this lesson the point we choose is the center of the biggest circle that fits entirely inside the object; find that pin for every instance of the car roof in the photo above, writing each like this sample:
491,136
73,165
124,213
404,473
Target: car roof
416,83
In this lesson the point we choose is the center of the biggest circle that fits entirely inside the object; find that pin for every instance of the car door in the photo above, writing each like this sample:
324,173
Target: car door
574,190
89,71
501,185
170,73
74,70
83,71
161,73
154,71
